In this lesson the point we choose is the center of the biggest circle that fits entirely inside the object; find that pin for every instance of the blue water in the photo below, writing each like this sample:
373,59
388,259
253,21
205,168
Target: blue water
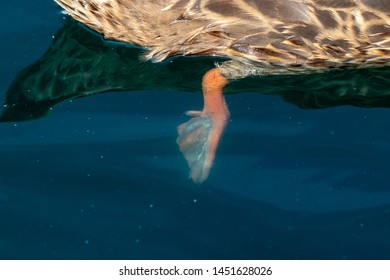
102,178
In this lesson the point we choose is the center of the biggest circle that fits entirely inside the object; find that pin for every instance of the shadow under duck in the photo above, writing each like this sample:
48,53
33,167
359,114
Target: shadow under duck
260,37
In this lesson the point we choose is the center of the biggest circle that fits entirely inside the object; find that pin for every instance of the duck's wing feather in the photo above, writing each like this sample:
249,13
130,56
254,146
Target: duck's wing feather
292,32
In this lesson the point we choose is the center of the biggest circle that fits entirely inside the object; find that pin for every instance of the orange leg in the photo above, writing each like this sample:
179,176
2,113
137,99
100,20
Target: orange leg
199,137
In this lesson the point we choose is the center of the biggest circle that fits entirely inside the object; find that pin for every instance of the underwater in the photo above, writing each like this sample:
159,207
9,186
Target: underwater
90,168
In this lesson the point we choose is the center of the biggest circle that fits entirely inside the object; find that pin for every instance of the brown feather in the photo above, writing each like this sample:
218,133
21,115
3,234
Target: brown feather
279,36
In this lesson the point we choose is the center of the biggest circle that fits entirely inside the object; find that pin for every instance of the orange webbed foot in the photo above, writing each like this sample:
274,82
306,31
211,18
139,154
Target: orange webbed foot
199,137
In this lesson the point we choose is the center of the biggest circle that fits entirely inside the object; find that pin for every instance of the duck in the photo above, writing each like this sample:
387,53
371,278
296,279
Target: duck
257,38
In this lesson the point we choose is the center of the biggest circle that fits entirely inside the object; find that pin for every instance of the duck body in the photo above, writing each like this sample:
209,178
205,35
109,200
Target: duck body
261,37
278,36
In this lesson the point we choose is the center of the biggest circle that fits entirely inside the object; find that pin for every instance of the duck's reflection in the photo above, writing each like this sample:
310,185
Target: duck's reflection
80,63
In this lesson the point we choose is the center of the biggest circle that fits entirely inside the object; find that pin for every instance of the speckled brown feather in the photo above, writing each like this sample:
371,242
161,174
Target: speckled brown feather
265,36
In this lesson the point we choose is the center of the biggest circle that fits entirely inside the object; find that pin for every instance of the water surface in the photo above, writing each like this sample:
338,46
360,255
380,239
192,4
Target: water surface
101,177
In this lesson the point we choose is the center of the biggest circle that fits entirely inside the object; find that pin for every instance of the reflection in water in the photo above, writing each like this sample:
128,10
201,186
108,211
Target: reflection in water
80,63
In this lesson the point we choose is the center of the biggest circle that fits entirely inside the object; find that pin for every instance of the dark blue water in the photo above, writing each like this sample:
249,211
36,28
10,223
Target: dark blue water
102,178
